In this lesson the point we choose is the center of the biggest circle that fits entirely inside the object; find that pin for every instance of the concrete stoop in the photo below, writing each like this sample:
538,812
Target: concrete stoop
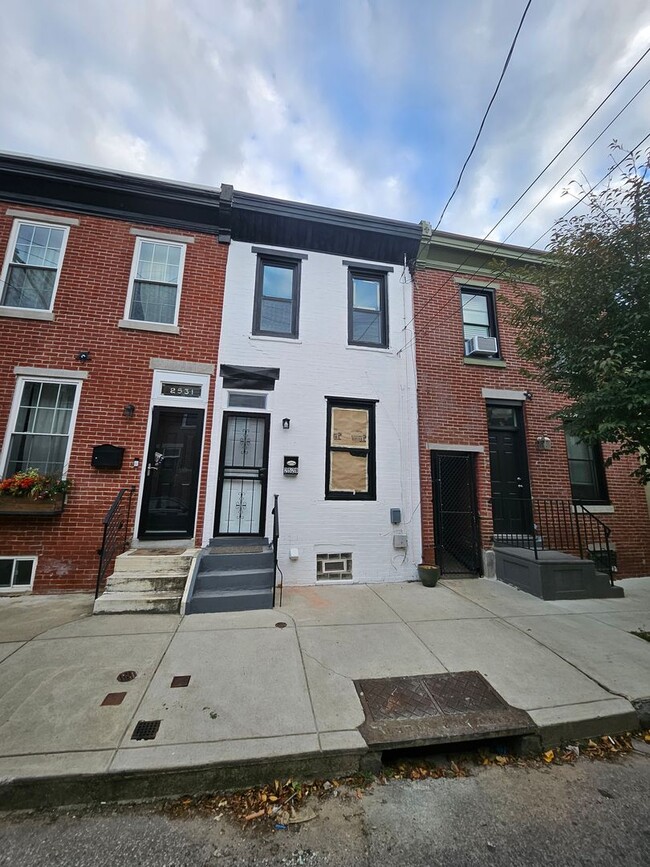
232,576
552,575
146,582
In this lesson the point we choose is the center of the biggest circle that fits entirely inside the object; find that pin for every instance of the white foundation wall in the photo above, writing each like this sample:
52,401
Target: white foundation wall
319,364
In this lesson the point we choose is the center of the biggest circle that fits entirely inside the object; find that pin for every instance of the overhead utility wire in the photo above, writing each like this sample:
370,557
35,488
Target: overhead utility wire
534,181
536,241
487,111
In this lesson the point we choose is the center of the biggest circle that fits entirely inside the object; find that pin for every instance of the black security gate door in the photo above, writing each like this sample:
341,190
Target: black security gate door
241,501
172,475
456,527
511,507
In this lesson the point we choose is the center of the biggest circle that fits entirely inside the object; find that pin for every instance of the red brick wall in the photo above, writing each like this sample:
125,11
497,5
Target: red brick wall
452,411
89,303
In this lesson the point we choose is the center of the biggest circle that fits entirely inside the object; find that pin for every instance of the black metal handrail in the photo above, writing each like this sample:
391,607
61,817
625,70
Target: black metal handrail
115,535
554,525
276,535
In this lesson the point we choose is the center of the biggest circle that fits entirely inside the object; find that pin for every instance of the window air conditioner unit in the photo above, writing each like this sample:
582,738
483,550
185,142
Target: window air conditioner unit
481,346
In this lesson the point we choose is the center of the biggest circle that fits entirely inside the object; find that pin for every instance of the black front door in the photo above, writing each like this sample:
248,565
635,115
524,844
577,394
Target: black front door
455,513
172,475
511,506
241,501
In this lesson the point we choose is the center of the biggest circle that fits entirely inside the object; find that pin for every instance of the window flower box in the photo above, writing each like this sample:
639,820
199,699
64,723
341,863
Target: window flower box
31,493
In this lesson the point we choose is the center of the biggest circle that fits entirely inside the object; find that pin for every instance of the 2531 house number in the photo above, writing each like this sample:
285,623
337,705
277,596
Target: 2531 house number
173,390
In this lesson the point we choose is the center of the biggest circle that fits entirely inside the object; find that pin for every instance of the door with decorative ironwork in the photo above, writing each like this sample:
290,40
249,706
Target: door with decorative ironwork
241,500
455,513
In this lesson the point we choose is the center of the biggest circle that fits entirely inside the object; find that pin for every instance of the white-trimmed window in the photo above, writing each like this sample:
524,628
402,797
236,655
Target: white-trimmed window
155,282
41,427
32,265
17,573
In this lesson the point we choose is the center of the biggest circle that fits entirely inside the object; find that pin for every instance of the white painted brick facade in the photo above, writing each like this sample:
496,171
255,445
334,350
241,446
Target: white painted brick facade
321,363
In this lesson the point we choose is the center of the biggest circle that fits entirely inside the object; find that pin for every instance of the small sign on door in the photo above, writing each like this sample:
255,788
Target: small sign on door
290,465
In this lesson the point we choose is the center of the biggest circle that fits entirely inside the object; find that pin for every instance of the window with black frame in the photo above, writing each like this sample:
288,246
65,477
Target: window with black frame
277,297
367,309
587,471
479,316
350,458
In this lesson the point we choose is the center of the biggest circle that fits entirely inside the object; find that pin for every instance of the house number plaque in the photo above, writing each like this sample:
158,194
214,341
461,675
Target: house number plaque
178,390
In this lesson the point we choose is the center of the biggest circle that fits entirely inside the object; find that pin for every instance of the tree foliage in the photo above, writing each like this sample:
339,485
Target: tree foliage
584,324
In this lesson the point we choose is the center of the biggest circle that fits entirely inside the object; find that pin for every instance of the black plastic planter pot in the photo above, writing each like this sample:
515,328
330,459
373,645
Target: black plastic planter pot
428,575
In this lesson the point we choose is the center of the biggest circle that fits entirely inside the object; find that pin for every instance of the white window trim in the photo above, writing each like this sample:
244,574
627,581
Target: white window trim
15,406
142,324
11,246
20,588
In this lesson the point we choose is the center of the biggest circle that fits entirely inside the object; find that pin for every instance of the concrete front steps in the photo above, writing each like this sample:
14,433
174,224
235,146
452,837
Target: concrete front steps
147,580
232,575
553,575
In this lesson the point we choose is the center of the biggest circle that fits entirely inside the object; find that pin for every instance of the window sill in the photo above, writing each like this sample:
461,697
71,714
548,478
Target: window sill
272,339
485,362
15,590
598,508
27,313
385,349
160,327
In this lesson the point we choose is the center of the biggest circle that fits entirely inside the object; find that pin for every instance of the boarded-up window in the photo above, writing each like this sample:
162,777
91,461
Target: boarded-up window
350,454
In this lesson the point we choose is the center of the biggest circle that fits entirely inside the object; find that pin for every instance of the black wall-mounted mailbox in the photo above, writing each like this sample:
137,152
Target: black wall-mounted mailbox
107,457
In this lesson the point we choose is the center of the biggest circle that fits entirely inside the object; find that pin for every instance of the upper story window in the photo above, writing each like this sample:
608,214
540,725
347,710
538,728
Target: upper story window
277,297
367,309
40,427
33,264
155,285
479,322
587,471
350,457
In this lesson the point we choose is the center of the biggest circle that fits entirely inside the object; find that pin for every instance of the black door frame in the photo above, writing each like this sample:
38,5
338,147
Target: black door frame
438,525
522,456
143,534
263,475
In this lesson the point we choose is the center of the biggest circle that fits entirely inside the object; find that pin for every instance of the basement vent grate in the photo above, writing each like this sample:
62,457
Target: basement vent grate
180,680
113,698
126,676
146,730
333,567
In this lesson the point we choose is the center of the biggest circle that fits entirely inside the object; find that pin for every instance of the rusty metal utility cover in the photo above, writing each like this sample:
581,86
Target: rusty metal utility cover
436,709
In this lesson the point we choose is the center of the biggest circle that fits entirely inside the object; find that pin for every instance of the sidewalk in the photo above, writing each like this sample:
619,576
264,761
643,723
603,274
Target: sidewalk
266,700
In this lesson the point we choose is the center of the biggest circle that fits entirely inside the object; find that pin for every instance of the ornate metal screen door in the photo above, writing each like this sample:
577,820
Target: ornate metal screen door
242,489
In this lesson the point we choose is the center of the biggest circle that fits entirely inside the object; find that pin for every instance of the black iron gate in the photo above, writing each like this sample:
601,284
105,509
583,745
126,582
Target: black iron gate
455,513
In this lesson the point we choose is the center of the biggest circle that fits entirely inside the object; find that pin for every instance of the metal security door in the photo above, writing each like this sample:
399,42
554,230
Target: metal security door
241,502
168,508
456,526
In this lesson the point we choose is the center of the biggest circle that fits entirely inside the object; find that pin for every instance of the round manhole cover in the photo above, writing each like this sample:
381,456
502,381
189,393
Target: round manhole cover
126,676
281,625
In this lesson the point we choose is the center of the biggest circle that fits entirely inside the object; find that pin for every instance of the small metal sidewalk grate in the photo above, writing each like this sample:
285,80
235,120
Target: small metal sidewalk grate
436,709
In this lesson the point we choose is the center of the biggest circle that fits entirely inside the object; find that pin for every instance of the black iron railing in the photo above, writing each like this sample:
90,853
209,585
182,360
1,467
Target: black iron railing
276,535
553,525
115,537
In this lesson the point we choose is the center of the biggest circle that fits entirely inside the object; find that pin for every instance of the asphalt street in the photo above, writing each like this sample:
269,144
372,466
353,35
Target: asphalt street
588,813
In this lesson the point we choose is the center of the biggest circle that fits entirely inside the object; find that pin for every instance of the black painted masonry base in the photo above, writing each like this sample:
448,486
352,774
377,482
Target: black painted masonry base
554,575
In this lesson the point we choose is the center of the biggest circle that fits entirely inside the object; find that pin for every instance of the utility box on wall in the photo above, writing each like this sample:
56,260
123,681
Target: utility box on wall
107,457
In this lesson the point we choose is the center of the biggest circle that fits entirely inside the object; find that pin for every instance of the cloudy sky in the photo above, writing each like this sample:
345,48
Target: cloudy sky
369,105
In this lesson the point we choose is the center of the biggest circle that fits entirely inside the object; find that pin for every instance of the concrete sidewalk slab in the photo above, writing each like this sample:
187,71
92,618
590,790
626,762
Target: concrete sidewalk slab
51,692
617,661
526,674
632,621
8,648
244,684
499,599
334,698
413,602
24,617
234,620
336,606
109,624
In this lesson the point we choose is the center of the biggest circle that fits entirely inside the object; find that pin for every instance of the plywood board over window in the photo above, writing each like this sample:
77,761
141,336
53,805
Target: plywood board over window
351,450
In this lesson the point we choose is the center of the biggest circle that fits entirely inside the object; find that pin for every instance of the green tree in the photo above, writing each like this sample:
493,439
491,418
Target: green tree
584,323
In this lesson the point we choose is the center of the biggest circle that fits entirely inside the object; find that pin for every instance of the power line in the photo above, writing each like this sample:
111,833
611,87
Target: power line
536,241
487,111
534,181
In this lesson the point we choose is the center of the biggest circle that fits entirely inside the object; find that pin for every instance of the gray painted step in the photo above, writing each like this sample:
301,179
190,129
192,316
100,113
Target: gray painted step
238,542
236,562
209,602
244,579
